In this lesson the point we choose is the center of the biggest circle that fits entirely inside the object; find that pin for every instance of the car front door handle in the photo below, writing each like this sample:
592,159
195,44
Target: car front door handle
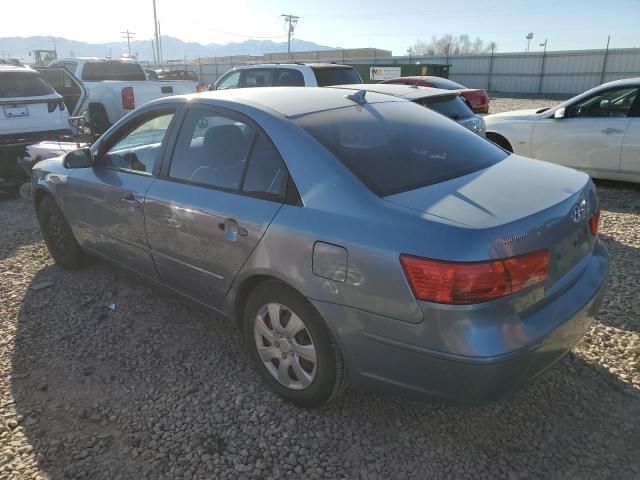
131,200
609,131
232,230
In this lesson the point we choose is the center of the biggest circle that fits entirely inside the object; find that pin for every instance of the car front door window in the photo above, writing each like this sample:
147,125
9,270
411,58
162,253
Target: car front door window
611,103
138,151
231,80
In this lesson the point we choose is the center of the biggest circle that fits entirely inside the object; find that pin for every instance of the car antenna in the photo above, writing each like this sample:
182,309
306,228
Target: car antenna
358,97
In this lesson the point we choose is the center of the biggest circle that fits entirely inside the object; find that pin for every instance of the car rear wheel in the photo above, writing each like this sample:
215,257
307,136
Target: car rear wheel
58,236
291,346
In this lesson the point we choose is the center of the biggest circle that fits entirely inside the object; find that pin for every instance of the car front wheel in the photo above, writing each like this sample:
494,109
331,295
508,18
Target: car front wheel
58,236
291,346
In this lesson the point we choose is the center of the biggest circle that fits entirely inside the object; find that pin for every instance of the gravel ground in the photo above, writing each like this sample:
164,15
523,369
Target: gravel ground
159,388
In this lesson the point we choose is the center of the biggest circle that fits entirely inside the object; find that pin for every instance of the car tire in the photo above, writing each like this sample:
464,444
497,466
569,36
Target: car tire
282,357
98,121
58,237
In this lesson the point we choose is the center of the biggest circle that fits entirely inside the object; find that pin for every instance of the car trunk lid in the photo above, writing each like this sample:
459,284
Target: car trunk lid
521,206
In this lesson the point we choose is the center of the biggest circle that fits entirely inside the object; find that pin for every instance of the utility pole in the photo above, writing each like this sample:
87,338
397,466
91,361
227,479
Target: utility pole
128,35
155,25
290,21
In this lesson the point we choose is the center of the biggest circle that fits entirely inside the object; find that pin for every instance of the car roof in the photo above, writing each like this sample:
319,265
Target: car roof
410,92
622,82
291,101
293,65
16,68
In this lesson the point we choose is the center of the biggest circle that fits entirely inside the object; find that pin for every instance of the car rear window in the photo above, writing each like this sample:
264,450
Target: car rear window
452,106
394,147
23,84
444,83
121,71
326,76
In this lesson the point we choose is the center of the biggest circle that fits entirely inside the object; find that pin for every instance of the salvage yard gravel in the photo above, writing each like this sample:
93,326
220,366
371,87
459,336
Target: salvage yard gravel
104,376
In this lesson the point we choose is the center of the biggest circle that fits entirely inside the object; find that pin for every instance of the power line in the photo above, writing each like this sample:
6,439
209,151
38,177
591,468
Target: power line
290,21
253,37
128,35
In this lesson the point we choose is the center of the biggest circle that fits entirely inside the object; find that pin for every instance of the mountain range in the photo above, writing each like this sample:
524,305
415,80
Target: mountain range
172,48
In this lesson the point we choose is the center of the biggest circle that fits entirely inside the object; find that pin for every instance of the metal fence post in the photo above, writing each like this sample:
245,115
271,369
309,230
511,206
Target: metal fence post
490,70
544,56
604,62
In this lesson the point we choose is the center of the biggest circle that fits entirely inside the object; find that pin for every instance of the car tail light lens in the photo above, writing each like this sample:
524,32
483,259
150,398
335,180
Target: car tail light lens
593,223
51,106
128,100
473,282
61,105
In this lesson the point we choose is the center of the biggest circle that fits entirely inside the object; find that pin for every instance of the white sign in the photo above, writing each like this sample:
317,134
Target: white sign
384,73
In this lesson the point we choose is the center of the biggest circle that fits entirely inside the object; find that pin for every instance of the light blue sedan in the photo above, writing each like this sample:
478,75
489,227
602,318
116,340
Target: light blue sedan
354,237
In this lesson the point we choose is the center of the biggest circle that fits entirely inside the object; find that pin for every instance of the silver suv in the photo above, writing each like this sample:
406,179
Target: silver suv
288,75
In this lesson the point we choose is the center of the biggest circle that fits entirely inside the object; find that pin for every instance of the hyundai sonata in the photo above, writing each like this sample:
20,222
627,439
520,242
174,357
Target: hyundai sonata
354,237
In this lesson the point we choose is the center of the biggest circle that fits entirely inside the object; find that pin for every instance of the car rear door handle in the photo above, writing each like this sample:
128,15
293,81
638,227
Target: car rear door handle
131,200
232,230
609,131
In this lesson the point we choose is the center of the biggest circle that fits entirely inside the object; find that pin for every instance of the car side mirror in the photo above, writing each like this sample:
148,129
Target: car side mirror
558,114
78,158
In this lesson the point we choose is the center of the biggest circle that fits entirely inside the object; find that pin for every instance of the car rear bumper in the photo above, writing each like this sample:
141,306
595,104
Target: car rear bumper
379,360
13,140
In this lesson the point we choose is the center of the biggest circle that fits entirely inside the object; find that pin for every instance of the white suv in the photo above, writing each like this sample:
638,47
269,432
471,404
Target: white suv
288,75
30,112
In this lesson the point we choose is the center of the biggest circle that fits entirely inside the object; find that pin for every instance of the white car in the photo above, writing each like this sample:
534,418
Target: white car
288,75
30,112
597,132
112,87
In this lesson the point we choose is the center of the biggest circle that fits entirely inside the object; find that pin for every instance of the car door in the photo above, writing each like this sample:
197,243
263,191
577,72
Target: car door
71,89
213,202
630,162
107,201
590,134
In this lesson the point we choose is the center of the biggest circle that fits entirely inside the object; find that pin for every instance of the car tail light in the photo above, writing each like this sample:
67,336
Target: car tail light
593,223
51,106
61,105
463,283
201,88
128,100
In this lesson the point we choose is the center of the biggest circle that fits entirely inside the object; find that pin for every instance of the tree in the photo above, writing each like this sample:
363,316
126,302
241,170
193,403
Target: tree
451,45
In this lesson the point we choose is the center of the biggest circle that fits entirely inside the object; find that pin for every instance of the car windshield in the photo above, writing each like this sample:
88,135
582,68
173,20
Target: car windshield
326,76
23,84
394,147
451,106
120,71
444,83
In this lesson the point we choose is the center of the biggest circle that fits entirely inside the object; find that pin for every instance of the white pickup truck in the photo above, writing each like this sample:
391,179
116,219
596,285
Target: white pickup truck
105,90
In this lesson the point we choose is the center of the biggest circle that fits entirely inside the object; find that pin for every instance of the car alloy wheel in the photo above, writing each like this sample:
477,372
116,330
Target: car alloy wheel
285,346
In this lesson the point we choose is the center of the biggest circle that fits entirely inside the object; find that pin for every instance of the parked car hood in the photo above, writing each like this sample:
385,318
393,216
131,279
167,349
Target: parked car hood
513,115
510,190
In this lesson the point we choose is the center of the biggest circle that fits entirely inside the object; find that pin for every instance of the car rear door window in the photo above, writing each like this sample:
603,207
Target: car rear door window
138,150
326,76
394,147
266,173
211,149
288,77
23,84
258,77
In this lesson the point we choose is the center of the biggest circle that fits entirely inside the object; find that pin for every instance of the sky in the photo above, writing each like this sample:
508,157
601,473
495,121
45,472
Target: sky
567,24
